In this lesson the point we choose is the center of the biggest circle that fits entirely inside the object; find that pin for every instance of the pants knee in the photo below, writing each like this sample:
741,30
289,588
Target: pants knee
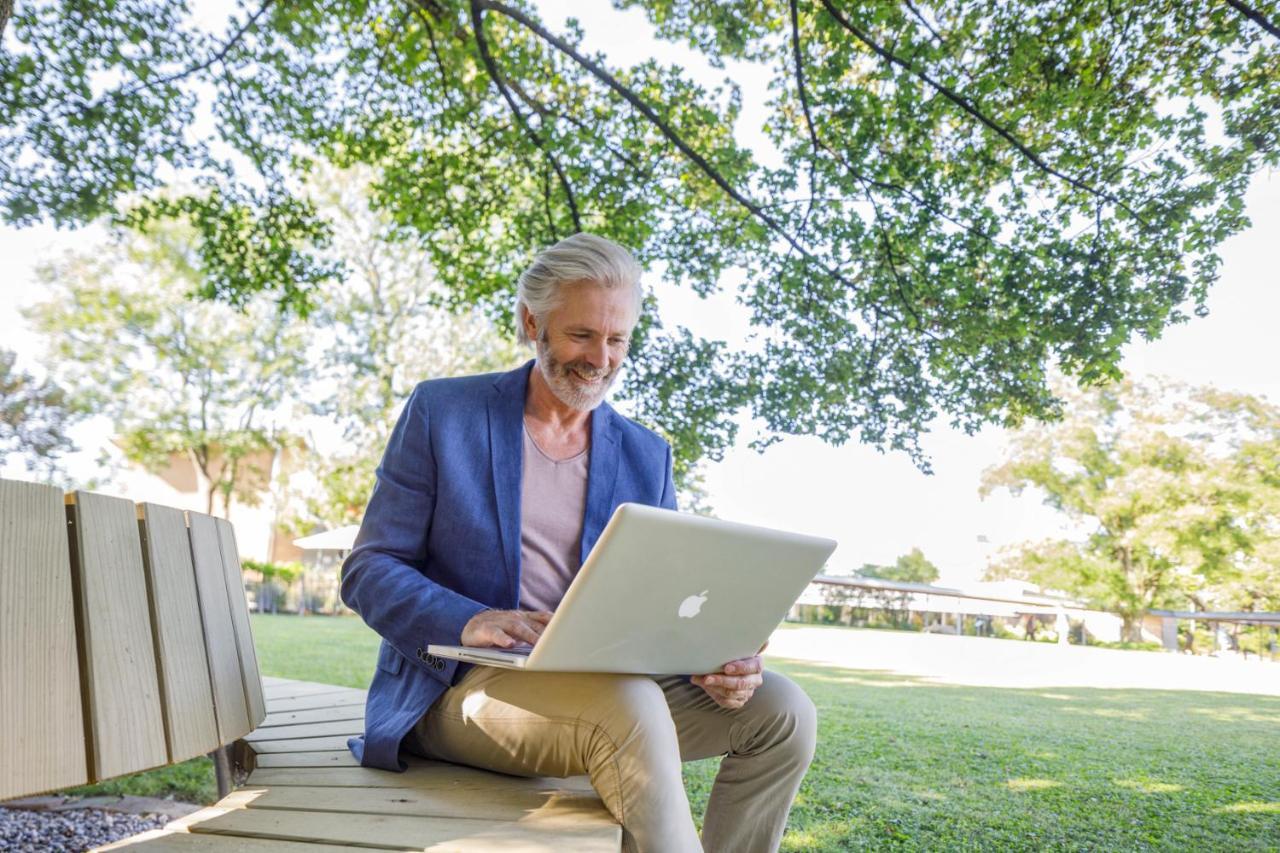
630,709
789,718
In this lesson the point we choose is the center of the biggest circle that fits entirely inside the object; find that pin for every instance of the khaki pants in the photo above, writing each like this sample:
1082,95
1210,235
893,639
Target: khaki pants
629,734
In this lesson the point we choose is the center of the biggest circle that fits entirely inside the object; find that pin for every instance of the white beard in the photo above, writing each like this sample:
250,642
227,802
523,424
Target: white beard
566,380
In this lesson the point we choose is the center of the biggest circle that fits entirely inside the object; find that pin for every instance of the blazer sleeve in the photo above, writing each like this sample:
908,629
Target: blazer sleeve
385,578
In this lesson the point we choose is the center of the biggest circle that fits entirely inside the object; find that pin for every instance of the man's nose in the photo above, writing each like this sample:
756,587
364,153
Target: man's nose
598,353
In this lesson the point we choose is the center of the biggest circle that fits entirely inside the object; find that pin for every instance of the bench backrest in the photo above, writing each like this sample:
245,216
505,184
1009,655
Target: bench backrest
124,638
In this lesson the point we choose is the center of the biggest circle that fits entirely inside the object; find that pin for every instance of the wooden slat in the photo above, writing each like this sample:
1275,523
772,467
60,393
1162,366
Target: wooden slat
249,671
331,758
299,689
494,802
177,841
306,744
430,776
42,736
344,696
219,632
184,665
349,728
126,726
338,777
555,831
313,715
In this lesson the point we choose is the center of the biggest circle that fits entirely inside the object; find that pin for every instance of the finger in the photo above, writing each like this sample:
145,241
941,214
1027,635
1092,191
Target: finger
521,631
737,698
543,616
535,626
501,638
736,682
720,694
744,666
732,701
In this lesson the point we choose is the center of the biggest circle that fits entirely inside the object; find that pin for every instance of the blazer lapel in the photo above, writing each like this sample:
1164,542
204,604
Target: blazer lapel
602,475
506,424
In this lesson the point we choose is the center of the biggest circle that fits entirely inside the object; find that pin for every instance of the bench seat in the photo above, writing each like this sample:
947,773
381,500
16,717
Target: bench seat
304,787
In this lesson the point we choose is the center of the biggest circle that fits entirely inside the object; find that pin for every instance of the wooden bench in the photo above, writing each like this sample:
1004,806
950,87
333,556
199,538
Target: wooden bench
125,645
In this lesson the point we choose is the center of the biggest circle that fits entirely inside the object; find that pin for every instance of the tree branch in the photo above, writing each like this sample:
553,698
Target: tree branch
804,106
969,107
669,132
841,159
216,57
911,7
1255,16
545,110
482,44
445,83
382,58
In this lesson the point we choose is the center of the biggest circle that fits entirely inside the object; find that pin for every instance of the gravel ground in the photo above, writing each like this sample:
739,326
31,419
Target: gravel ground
68,831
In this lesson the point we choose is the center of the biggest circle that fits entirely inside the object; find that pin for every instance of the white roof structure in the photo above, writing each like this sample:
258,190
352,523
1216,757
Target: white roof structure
338,539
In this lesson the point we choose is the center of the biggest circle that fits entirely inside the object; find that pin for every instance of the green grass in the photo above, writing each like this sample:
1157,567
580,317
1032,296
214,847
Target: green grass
191,782
329,649
905,764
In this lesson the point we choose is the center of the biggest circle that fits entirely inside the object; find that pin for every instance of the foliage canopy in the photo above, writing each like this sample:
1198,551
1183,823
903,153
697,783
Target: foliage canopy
964,196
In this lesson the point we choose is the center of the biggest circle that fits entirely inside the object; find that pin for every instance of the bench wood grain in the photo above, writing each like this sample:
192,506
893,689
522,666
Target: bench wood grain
42,743
184,662
121,685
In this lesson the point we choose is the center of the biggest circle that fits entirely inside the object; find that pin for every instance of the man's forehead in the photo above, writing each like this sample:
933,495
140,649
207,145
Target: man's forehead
590,306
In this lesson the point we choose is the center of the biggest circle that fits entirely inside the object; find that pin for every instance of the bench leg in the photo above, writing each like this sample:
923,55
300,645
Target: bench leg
222,769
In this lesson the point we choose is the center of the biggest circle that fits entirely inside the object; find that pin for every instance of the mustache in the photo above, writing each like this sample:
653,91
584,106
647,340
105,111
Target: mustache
585,370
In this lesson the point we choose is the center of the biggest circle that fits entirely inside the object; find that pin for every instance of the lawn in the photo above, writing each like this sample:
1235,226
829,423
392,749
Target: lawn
907,764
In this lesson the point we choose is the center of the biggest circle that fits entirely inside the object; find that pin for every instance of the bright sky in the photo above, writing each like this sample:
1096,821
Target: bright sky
878,506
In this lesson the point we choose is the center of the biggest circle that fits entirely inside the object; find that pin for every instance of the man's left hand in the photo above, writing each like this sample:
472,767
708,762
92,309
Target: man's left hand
734,686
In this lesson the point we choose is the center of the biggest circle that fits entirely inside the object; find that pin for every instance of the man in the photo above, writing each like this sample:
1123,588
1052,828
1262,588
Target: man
492,491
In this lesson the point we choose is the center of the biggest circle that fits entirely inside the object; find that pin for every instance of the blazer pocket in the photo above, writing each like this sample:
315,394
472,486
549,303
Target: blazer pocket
389,660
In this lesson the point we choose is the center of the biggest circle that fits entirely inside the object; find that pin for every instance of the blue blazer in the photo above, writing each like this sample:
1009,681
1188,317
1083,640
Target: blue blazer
440,539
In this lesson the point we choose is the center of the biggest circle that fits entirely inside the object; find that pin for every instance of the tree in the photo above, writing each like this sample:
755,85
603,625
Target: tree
1168,510
966,196
34,418
1250,427
382,329
911,567
175,376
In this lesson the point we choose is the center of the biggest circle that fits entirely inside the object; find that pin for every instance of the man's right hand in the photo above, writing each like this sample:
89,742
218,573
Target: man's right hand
505,628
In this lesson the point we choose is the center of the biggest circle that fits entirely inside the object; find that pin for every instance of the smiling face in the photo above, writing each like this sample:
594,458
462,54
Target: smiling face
583,342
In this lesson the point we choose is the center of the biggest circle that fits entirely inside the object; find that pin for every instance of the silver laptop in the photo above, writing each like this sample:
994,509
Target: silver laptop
664,592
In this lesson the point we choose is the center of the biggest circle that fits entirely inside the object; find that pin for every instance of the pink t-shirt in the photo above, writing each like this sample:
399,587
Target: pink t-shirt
553,500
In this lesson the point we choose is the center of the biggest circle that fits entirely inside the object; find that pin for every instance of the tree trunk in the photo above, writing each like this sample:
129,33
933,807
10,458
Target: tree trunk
1131,630
6,11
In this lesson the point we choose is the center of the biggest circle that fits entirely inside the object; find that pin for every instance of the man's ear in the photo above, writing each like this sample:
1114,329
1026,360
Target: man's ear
529,322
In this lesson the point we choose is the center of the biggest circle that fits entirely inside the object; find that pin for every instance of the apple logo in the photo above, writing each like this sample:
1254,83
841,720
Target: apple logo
690,606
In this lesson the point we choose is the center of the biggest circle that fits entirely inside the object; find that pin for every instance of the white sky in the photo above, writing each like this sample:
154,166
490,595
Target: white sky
878,506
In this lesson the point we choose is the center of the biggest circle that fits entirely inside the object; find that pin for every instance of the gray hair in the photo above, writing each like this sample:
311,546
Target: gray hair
582,257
